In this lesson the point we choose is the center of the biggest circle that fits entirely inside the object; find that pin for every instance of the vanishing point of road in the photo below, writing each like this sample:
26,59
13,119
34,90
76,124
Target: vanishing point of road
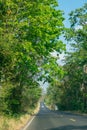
51,120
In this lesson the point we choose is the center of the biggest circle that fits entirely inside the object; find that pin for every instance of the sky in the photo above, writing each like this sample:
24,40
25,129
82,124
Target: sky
69,5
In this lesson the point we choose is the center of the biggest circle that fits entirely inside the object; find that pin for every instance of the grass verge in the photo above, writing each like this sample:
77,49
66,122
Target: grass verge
15,123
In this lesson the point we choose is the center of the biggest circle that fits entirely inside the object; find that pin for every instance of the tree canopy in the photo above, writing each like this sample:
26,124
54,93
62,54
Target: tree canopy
29,32
71,91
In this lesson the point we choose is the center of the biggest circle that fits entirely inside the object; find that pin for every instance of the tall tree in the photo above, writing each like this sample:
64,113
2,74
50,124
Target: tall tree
75,61
71,92
29,32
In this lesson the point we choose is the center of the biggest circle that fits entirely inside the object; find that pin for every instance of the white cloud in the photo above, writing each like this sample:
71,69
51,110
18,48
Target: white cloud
78,27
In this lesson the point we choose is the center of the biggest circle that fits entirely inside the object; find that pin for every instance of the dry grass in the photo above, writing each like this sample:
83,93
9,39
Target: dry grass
15,123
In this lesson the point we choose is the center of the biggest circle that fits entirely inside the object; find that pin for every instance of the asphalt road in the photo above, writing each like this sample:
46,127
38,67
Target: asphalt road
50,120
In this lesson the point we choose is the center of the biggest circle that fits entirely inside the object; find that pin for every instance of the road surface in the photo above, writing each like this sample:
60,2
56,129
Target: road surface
49,120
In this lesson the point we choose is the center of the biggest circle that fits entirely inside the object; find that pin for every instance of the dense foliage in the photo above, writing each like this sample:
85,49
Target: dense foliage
29,32
70,92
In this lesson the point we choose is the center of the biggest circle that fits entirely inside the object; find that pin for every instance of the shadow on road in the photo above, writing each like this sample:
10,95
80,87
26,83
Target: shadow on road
70,127
70,114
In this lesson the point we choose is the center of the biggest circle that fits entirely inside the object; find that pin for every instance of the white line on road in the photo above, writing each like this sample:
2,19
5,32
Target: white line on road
73,120
28,123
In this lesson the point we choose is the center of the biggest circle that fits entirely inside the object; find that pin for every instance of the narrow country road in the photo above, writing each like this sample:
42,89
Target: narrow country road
49,120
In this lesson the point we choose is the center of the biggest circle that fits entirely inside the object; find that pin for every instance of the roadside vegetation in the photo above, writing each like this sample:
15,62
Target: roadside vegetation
17,122
9,123
69,92
29,33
